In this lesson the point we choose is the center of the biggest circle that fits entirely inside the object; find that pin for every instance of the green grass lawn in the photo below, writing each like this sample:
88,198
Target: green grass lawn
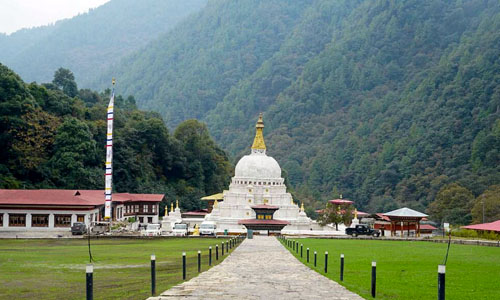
408,270
55,268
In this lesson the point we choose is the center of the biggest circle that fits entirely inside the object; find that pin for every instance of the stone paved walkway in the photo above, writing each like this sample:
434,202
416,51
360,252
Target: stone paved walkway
260,268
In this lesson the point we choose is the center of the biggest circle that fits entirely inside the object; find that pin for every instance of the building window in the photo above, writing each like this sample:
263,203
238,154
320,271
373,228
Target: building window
62,220
141,219
17,220
80,218
137,208
145,208
249,200
248,213
40,220
249,190
1,219
153,207
150,219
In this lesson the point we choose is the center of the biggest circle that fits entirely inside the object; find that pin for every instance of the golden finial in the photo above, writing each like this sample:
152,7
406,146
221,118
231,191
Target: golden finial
258,141
340,196
355,213
216,203
113,81
171,206
302,207
166,210
176,203
292,203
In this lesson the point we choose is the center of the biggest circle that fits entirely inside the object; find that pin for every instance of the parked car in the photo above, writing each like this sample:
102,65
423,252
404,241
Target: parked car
180,229
78,228
362,230
208,228
152,230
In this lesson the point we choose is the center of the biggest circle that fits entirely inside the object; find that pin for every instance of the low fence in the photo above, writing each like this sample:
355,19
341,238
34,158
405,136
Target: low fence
445,241
212,255
297,248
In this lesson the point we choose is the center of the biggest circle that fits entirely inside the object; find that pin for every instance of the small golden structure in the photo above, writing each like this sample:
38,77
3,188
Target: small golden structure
196,231
216,203
113,81
171,206
355,213
177,203
302,207
258,142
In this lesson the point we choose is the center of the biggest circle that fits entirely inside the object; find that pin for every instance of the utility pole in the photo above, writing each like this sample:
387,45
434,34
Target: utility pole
482,202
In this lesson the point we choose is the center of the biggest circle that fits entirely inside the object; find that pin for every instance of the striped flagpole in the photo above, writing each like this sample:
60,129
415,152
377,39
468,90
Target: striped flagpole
109,157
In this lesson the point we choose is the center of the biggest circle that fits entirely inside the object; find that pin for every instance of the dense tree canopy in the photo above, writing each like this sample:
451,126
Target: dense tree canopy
54,140
384,101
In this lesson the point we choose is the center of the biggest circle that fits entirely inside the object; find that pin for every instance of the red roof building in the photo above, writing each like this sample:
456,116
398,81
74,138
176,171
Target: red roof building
493,226
58,209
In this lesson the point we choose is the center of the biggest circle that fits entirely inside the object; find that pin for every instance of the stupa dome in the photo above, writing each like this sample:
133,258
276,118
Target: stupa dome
257,166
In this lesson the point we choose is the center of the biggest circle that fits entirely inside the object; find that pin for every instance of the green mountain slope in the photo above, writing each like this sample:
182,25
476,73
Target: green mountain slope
88,43
383,101
188,71
51,140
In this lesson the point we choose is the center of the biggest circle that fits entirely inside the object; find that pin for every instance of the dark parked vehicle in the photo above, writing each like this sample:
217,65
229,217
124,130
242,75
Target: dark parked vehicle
362,230
78,228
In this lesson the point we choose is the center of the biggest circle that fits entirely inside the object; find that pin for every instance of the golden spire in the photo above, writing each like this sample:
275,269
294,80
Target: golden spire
355,213
216,203
171,206
166,210
258,141
177,204
113,81
302,207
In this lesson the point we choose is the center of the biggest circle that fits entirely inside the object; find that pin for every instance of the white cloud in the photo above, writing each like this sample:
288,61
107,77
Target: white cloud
17,14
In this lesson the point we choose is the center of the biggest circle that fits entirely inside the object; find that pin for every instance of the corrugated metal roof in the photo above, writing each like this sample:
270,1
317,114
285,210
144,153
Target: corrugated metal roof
69,197
493,226
405,212
218,196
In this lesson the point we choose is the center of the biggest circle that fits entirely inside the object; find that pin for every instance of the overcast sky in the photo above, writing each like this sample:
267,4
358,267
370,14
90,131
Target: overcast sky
17,14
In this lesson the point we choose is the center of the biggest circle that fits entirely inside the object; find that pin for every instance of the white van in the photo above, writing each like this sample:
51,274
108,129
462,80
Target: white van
152,230
208,228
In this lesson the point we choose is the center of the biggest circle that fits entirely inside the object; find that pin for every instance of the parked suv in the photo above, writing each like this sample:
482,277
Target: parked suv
78,228
362,230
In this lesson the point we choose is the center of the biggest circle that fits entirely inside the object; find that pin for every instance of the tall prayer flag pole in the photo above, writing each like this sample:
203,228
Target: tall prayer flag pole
109,157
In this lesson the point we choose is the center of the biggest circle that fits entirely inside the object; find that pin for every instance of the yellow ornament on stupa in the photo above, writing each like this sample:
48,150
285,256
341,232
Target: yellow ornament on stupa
171,206
302,207
258,141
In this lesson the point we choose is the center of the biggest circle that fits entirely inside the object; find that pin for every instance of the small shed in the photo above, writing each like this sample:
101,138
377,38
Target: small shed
404,216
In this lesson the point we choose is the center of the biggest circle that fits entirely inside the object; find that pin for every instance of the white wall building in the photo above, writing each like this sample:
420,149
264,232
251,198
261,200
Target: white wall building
52,210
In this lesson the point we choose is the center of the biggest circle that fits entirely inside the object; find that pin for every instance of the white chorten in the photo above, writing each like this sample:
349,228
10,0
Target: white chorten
257,180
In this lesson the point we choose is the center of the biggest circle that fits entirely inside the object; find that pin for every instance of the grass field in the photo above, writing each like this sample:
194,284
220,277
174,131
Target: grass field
55,269
408,270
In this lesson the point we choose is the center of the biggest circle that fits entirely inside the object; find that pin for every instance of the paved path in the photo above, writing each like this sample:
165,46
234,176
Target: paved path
260,268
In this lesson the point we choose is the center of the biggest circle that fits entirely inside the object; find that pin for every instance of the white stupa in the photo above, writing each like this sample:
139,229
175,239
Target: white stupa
258,180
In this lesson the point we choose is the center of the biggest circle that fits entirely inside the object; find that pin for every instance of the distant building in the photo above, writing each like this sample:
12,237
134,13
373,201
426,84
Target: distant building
57,210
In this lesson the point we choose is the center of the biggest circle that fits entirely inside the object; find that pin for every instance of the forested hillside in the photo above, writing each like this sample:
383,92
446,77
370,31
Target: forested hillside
386,102
89,43
52,140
